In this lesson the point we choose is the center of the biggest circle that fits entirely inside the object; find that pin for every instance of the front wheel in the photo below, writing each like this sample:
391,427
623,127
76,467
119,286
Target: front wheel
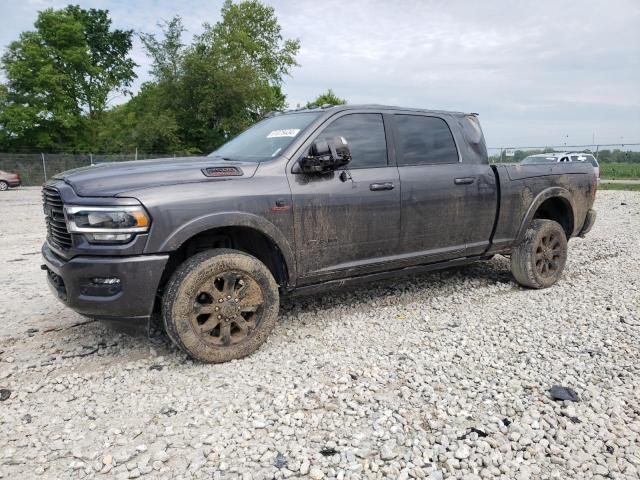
3,186
220,305
539,260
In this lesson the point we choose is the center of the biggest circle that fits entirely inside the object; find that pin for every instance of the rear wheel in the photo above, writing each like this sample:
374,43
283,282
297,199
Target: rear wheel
220,305
3,186
539,260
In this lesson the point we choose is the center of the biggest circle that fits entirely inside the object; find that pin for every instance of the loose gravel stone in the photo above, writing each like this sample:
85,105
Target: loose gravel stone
462,452
387,452
316,474
392,380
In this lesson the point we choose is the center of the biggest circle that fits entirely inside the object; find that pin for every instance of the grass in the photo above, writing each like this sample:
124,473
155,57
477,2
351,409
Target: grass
615,171
619,186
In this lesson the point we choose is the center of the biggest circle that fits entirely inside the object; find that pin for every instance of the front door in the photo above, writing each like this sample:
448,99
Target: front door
347,222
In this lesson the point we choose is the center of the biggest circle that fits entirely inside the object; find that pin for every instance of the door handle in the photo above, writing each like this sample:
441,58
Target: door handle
464,180
376,187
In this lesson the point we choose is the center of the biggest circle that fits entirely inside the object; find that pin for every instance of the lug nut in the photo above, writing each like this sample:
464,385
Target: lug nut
220,300
219,316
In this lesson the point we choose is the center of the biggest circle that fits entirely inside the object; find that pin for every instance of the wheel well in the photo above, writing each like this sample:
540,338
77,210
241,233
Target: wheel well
559,210
244,239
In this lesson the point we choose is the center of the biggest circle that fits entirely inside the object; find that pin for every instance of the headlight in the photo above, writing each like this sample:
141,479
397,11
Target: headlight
107,224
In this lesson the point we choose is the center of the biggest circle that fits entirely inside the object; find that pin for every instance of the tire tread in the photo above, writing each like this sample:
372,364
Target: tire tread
171,296
522,264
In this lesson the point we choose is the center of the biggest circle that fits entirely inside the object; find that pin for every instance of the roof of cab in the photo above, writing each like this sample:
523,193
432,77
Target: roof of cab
335,108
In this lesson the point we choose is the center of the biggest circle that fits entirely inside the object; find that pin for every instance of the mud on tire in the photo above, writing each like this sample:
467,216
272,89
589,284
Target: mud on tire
539,260
220,305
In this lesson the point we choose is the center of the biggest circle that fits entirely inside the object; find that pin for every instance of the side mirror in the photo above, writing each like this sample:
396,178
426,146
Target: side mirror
325,156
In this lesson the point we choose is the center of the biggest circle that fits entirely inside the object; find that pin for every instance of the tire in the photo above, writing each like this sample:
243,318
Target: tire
220,305
4,186
539,260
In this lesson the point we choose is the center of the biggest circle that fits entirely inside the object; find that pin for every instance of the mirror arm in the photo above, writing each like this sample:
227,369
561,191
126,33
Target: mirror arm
334,152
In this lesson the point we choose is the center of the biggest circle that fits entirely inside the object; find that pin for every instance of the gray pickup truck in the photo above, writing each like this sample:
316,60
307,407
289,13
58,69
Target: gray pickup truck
301,202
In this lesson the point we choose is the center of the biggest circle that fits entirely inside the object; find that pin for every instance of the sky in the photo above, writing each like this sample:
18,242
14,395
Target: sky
537,72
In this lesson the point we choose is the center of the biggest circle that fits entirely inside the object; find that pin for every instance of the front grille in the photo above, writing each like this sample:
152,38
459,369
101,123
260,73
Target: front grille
57,233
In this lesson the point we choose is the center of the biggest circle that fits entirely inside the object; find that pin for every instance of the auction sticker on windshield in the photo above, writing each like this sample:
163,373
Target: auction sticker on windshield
291,132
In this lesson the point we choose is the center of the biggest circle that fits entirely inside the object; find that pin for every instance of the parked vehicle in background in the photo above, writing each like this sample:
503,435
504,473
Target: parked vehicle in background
586,157
563,157
538,159
301,202
8,180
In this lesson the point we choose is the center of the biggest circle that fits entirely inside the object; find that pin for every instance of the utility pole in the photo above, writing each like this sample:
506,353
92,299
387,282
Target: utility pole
44,167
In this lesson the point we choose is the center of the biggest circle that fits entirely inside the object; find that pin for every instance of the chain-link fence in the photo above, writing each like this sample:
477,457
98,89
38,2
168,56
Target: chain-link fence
605,153
36,168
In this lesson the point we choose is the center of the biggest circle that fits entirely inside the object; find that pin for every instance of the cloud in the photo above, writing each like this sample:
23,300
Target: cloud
537,72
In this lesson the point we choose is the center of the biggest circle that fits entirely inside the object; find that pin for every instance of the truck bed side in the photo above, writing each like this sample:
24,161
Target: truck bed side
564,192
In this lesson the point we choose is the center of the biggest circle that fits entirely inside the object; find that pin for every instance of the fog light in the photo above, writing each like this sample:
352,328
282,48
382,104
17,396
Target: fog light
106,281
110,237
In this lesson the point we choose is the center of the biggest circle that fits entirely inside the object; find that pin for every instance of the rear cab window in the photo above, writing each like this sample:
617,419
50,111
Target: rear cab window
424,140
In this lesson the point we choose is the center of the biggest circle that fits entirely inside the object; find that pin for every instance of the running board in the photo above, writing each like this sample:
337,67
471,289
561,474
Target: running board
372,277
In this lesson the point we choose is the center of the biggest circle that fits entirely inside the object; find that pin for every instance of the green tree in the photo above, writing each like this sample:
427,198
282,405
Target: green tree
60,78
167,55
228,78
326,98
142,123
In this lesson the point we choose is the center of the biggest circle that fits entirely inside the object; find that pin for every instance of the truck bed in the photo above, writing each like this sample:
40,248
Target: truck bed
523,188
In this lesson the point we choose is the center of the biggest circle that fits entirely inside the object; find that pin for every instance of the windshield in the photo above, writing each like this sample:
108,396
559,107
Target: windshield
539,159
266,139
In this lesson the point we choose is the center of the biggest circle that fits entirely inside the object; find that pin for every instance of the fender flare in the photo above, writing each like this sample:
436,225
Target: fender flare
233,219
551,192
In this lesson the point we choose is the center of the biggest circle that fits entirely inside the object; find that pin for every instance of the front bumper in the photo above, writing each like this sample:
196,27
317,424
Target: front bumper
589,220
133,297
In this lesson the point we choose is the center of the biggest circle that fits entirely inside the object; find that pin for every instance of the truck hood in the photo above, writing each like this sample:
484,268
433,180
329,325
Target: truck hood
111,179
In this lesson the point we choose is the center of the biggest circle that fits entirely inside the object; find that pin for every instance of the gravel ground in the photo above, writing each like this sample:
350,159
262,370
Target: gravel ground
443,375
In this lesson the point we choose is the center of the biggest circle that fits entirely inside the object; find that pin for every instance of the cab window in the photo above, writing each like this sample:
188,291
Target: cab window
424,141
364,133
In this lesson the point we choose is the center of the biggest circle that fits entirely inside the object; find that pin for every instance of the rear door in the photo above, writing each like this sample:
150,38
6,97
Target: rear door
348,222
448,207
481,206
433,189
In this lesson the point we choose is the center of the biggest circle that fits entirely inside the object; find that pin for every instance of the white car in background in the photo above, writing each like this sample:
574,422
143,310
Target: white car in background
586,157
562,157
